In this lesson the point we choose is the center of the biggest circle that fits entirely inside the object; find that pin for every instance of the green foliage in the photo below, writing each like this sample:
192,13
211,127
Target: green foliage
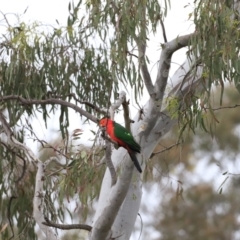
76,181
91,57
217,43
81,179
33,64
187,112
126,21
219,136
215,47
173,107
14,184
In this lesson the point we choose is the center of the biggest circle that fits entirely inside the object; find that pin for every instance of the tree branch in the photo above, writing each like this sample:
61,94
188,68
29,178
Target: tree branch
226,107
164,65
188,84
165,149
103,224
127,119
141,43
108,153
38,201
161,81
66,226
46,145
117,104
50,100
144,69
163,29
96,108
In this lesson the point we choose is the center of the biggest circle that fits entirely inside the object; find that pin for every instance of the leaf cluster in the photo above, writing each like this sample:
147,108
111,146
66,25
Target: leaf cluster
217,43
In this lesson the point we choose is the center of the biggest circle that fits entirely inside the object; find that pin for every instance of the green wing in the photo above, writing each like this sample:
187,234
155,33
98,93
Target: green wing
124,135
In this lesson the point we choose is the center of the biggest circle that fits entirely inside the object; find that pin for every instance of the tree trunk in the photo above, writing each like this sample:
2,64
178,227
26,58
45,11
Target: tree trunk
148,137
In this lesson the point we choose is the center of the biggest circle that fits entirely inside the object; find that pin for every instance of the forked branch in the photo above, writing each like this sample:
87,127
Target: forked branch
164,64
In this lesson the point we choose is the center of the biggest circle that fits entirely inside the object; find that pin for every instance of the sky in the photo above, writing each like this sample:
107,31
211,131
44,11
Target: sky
46,11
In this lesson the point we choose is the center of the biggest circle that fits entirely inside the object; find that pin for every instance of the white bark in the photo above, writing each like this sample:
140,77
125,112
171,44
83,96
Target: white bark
155,124
118,190
38,202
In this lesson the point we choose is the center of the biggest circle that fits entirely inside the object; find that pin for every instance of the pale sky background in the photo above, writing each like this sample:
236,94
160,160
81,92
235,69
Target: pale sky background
47,11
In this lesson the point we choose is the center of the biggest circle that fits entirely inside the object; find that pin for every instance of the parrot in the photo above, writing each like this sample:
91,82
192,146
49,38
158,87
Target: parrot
123,138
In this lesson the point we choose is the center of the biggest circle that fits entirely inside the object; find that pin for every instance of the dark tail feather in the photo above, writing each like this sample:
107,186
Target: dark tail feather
135,161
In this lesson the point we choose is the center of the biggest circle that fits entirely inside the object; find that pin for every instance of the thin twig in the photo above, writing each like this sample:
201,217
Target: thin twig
96,108
47,145
132,54
73,95
66,226
220,108
163,30
165,149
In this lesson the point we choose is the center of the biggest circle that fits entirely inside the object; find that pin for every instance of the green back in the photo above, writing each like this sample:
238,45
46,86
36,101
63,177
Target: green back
123,134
